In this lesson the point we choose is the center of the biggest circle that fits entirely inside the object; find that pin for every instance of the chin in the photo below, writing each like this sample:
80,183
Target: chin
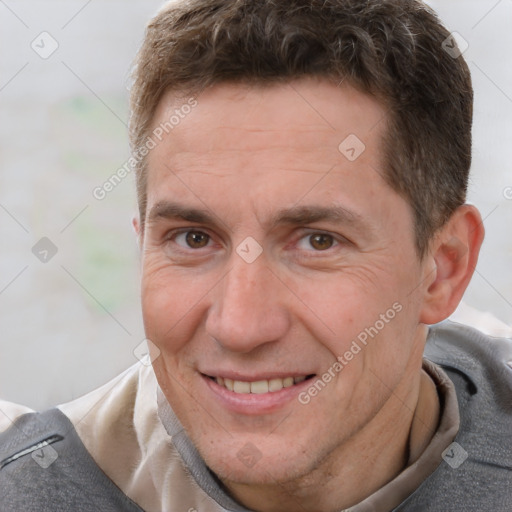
243,463
262,474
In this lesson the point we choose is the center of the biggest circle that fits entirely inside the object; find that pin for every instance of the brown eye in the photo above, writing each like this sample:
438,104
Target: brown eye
321,242
196,239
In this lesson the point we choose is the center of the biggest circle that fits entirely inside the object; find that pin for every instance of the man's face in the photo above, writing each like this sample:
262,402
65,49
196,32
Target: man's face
272,246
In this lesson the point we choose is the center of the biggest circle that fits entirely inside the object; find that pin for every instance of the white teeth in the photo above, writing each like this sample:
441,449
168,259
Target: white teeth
287,382
258,387
240,386
275,384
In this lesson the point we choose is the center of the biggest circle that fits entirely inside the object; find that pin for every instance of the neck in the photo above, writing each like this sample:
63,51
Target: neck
392,440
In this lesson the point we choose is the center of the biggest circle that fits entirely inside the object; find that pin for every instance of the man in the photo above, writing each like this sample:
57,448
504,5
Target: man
301,169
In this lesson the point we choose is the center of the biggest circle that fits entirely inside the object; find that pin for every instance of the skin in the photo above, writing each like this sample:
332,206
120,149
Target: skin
243,155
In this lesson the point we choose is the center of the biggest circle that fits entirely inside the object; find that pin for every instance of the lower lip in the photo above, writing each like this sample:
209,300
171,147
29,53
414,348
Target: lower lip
254,404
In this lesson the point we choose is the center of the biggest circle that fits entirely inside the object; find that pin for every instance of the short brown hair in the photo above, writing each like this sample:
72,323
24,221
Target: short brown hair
391,49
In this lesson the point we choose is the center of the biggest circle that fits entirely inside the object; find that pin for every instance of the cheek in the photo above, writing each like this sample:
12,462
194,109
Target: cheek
347,302
172,306
370,356
365,316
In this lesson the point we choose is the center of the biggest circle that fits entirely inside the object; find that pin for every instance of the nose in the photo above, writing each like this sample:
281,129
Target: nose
247,309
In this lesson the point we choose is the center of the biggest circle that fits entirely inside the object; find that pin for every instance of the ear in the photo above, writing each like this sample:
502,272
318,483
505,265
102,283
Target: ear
450,263
137,229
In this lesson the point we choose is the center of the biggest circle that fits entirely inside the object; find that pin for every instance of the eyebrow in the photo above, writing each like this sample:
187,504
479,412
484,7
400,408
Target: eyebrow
170,210
296,215
299,215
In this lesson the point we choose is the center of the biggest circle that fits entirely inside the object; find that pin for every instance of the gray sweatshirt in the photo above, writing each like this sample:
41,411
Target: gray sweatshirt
473,373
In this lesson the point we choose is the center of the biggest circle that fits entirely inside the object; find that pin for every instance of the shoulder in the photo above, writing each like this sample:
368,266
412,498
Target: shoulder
116,421
480,367
476,473
9,412
45,467
45,463
107,450
484,360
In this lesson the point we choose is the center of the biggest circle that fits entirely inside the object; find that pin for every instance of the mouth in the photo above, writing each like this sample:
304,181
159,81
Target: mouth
259,387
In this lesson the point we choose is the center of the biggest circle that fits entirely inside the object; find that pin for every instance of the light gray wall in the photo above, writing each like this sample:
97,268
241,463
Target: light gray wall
70,324
485,25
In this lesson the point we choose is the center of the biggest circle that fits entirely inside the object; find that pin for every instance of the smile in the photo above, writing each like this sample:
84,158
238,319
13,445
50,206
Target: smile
258,387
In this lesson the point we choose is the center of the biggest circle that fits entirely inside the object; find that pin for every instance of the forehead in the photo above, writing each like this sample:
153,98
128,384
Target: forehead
275,143
319,108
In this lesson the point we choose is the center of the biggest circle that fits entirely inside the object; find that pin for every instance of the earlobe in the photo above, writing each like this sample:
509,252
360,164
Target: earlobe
453,256
136,224
137,229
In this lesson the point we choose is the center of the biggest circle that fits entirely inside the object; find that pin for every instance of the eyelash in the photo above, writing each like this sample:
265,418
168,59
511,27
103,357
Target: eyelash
174,235
337,240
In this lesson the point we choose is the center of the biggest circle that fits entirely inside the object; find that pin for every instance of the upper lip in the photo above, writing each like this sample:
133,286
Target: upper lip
254,377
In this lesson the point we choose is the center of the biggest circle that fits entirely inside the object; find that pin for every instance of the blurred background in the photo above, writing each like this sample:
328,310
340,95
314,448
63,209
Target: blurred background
69,270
